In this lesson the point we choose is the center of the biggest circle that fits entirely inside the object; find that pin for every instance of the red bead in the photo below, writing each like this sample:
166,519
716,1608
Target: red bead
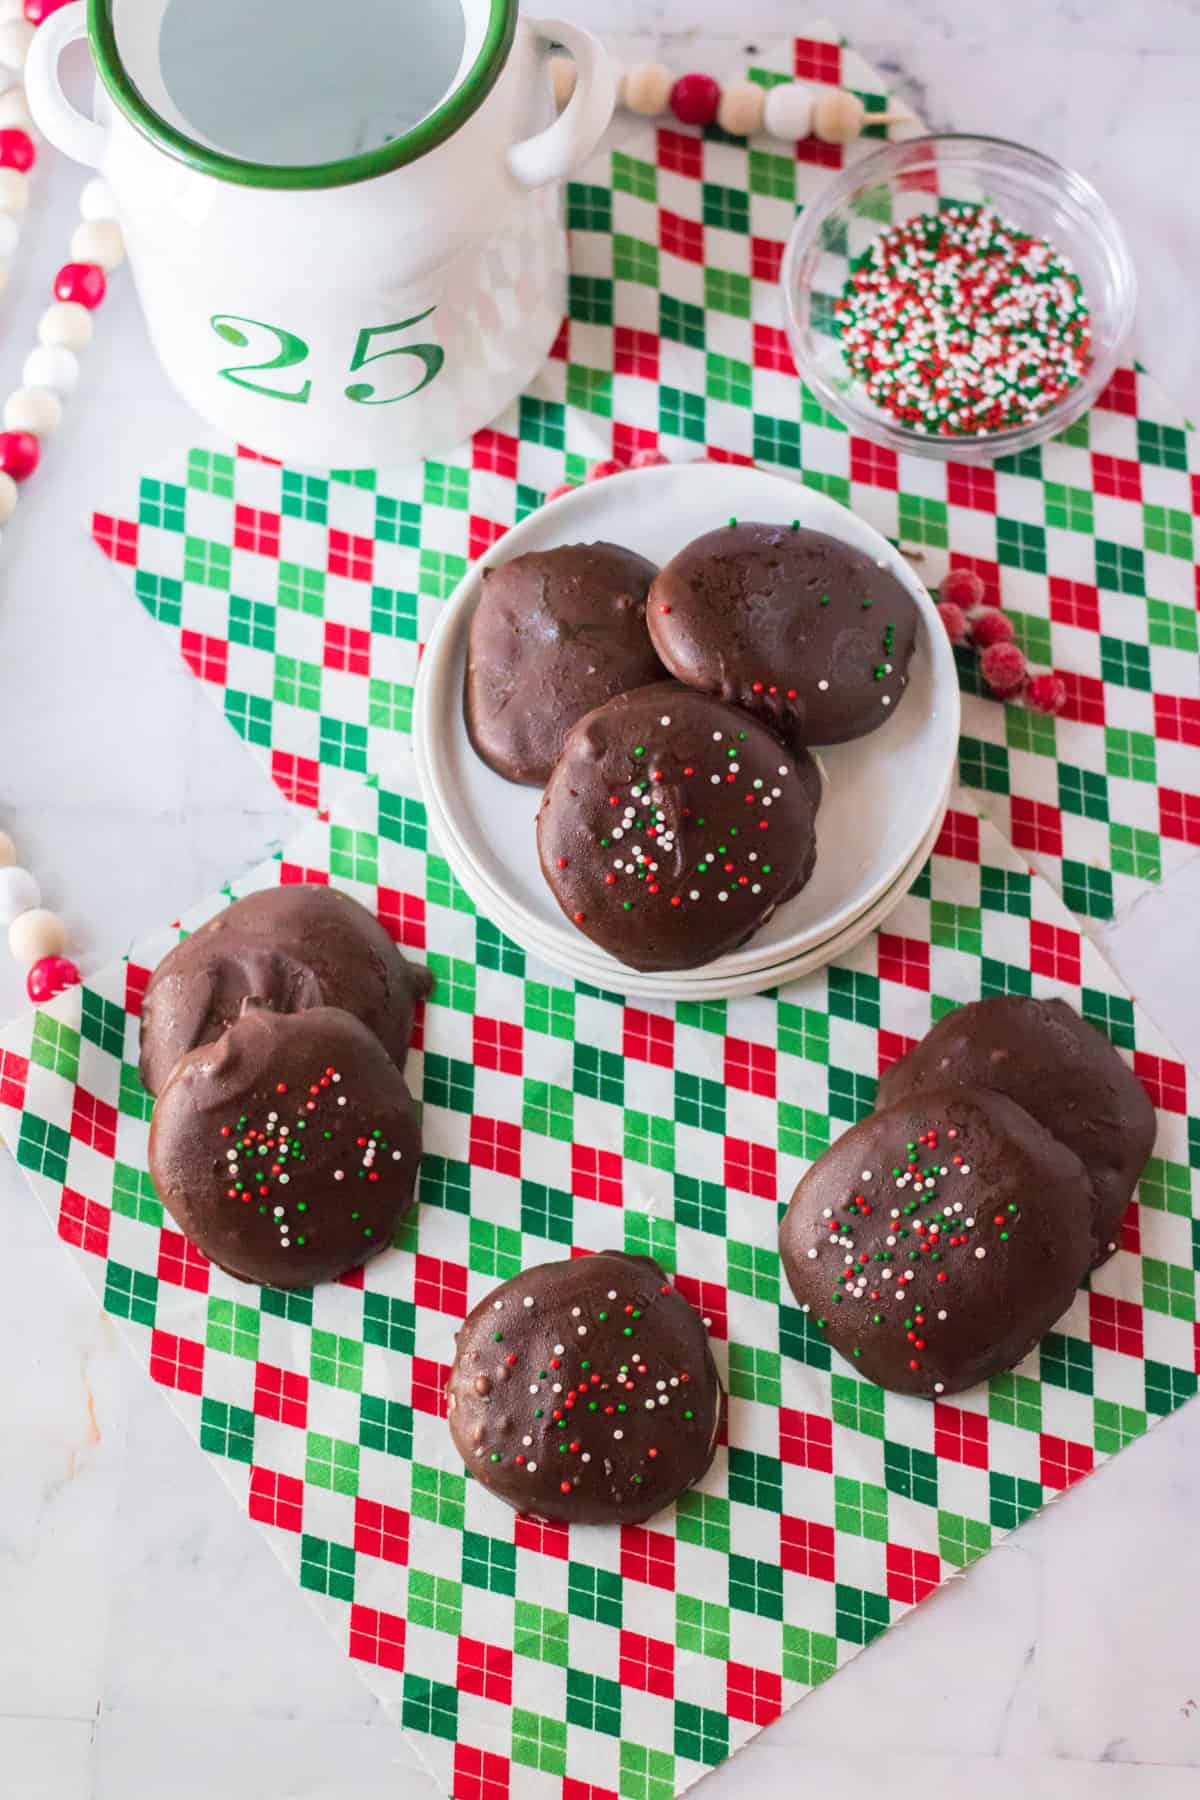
37,10
991,627
695,99
964,587
16,150
599,471
51,976
564,487
647,459
84,282
19,454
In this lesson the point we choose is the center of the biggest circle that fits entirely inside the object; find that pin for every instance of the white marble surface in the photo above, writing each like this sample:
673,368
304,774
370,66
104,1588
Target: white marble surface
1064,1665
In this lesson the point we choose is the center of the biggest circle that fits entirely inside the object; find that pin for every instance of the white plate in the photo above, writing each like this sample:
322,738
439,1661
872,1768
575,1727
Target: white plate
687,984
882,791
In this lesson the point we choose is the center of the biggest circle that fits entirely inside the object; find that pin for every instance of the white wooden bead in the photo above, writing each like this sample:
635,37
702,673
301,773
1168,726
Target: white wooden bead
8,851
9,78
16,35
33,409
838,116
10,234
35,934
66,325
11,9
788,112
646,89
51,367
19,893
97,201
8,497
562,77
742,108
14,111
14,191
99,241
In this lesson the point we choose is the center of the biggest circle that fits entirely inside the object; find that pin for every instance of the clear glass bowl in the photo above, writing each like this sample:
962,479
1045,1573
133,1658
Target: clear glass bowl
902,180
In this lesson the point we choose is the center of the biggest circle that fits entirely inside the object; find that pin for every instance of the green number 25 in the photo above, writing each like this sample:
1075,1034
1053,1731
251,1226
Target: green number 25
290,352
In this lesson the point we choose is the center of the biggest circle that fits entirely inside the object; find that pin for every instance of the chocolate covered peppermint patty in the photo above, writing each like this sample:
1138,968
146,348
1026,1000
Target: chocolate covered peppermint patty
585,1390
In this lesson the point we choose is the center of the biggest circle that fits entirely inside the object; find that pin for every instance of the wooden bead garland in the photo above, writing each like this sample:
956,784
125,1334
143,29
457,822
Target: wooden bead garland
790,110
36,936
33,412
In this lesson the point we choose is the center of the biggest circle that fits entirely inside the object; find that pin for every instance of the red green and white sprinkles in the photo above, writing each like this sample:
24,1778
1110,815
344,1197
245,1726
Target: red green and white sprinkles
650,815
959,323
931,1228
261,1160
586,1390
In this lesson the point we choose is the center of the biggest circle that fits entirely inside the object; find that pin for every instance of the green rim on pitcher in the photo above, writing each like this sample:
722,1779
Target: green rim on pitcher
430,131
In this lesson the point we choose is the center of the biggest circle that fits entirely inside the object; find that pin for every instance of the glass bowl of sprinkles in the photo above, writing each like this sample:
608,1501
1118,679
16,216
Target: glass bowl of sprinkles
960,297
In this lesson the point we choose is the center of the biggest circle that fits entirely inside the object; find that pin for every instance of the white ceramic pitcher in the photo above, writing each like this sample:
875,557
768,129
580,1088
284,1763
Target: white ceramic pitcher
362,311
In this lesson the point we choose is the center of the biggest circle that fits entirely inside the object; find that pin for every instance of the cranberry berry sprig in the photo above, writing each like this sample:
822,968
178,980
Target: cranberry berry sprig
968,620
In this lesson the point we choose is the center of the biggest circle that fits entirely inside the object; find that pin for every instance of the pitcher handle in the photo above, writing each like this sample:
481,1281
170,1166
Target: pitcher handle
559,150
67,128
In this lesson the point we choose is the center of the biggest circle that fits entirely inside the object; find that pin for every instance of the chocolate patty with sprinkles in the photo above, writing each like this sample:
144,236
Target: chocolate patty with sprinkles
586,1391
1061,1070
556,632
937,1241
802,630
288,948
288,1149
673,826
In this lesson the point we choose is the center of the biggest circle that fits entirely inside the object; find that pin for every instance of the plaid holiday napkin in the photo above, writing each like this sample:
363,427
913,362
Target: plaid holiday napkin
531,1660
301,601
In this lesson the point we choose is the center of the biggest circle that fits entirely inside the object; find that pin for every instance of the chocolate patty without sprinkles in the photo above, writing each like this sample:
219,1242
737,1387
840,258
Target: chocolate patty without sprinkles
288,1149
810,635
289,948
585,1390
936,1242
555,633
1061,1070
673,826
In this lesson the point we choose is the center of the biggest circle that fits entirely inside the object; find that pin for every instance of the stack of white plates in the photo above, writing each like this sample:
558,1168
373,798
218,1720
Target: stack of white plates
884,795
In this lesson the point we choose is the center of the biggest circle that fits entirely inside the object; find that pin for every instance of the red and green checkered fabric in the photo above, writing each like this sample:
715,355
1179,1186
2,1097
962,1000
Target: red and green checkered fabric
533,1662
303,600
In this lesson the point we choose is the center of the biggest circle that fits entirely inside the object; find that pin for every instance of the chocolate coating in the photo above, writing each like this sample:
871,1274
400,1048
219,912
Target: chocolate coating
660,782
1007,1265
810,635
1061,1070
314,1087
288,948
556,632
585,1390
